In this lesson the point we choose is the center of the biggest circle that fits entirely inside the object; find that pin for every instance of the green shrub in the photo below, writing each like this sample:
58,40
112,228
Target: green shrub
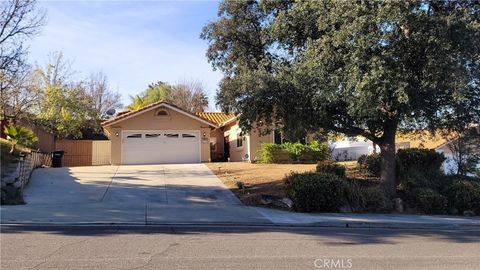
319,151
271,153
293,152
435,180
367,196
430,202
370,164
464,195
374,199
426,161
240,184
321,192
19,135
331,167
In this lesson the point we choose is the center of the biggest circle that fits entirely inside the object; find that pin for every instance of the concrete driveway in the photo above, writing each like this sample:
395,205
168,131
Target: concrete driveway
142,194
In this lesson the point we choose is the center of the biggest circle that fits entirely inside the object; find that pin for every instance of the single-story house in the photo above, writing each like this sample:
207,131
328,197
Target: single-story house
350,148
164,133
450,166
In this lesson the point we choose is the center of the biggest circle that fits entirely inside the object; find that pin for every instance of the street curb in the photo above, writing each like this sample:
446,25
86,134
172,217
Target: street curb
353,225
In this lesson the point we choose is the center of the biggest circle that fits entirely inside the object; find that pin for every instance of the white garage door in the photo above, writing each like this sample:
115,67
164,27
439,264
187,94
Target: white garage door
162,146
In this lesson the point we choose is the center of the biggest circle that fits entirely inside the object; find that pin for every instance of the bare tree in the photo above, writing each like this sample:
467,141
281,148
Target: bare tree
20,20
190,95
103,99
466,152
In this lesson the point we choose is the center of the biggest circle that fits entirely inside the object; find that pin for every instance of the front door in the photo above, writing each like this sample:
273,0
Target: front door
226,148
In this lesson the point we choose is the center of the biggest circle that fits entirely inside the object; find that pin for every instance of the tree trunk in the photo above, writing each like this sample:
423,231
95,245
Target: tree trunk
388,163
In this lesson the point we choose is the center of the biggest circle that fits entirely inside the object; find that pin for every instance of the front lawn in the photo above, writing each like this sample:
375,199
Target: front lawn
259,179
264,179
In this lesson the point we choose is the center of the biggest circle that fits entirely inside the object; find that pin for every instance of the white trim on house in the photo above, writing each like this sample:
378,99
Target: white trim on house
229,121
163,105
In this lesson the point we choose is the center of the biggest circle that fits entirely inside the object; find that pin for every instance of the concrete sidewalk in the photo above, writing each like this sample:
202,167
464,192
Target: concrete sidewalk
284,218
173,194
232,215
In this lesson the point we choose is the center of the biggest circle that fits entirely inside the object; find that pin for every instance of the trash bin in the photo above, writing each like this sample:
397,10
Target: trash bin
57,158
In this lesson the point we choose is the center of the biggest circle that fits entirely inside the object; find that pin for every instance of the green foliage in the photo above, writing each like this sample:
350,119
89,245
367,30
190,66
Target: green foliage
375,199
358,68
240,184
331,167
315,192
464,194
188,95
19,135
293,152
64,110
270,153
68,108
370,164
426,161
154,92
420,179
430,202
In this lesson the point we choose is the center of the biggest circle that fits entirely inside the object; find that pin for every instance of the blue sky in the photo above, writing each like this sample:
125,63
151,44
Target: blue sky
134,43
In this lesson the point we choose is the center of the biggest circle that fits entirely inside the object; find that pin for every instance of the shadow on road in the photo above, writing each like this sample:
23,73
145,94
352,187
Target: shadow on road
345,236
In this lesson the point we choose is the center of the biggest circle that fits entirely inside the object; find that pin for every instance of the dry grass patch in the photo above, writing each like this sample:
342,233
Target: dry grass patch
259,179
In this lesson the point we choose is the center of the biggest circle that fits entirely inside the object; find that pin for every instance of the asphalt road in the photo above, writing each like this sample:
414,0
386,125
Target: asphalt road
194,247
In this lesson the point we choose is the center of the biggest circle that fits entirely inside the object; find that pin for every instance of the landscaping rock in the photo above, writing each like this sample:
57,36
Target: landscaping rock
345,209
468,213
276,200
287,202
9,179
266,199
399,207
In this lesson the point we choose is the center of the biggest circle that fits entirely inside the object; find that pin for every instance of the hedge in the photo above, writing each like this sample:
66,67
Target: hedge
331,167
293,152
315,192
464,194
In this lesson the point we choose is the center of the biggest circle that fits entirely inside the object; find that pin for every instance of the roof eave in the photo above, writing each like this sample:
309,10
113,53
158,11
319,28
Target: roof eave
162,104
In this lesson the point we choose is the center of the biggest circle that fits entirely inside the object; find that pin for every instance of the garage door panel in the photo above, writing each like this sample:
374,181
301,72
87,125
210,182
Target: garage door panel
156,147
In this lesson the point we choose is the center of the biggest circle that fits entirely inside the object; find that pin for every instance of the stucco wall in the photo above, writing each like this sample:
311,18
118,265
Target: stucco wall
255,141
251,144
149,121
236,153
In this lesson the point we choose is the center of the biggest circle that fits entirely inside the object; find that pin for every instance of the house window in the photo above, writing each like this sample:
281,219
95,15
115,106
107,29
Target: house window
185,135
162,113
152,135
239,140
171,135
136,135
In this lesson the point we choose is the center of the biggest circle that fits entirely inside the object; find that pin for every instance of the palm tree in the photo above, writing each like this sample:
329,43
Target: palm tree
19,135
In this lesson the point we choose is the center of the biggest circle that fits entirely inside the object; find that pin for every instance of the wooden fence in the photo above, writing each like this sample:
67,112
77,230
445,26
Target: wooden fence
84,152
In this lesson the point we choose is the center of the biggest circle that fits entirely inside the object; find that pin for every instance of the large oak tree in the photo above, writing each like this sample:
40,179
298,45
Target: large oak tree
355,67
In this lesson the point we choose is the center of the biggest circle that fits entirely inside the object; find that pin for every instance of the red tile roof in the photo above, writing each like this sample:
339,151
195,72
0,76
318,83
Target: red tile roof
216,117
